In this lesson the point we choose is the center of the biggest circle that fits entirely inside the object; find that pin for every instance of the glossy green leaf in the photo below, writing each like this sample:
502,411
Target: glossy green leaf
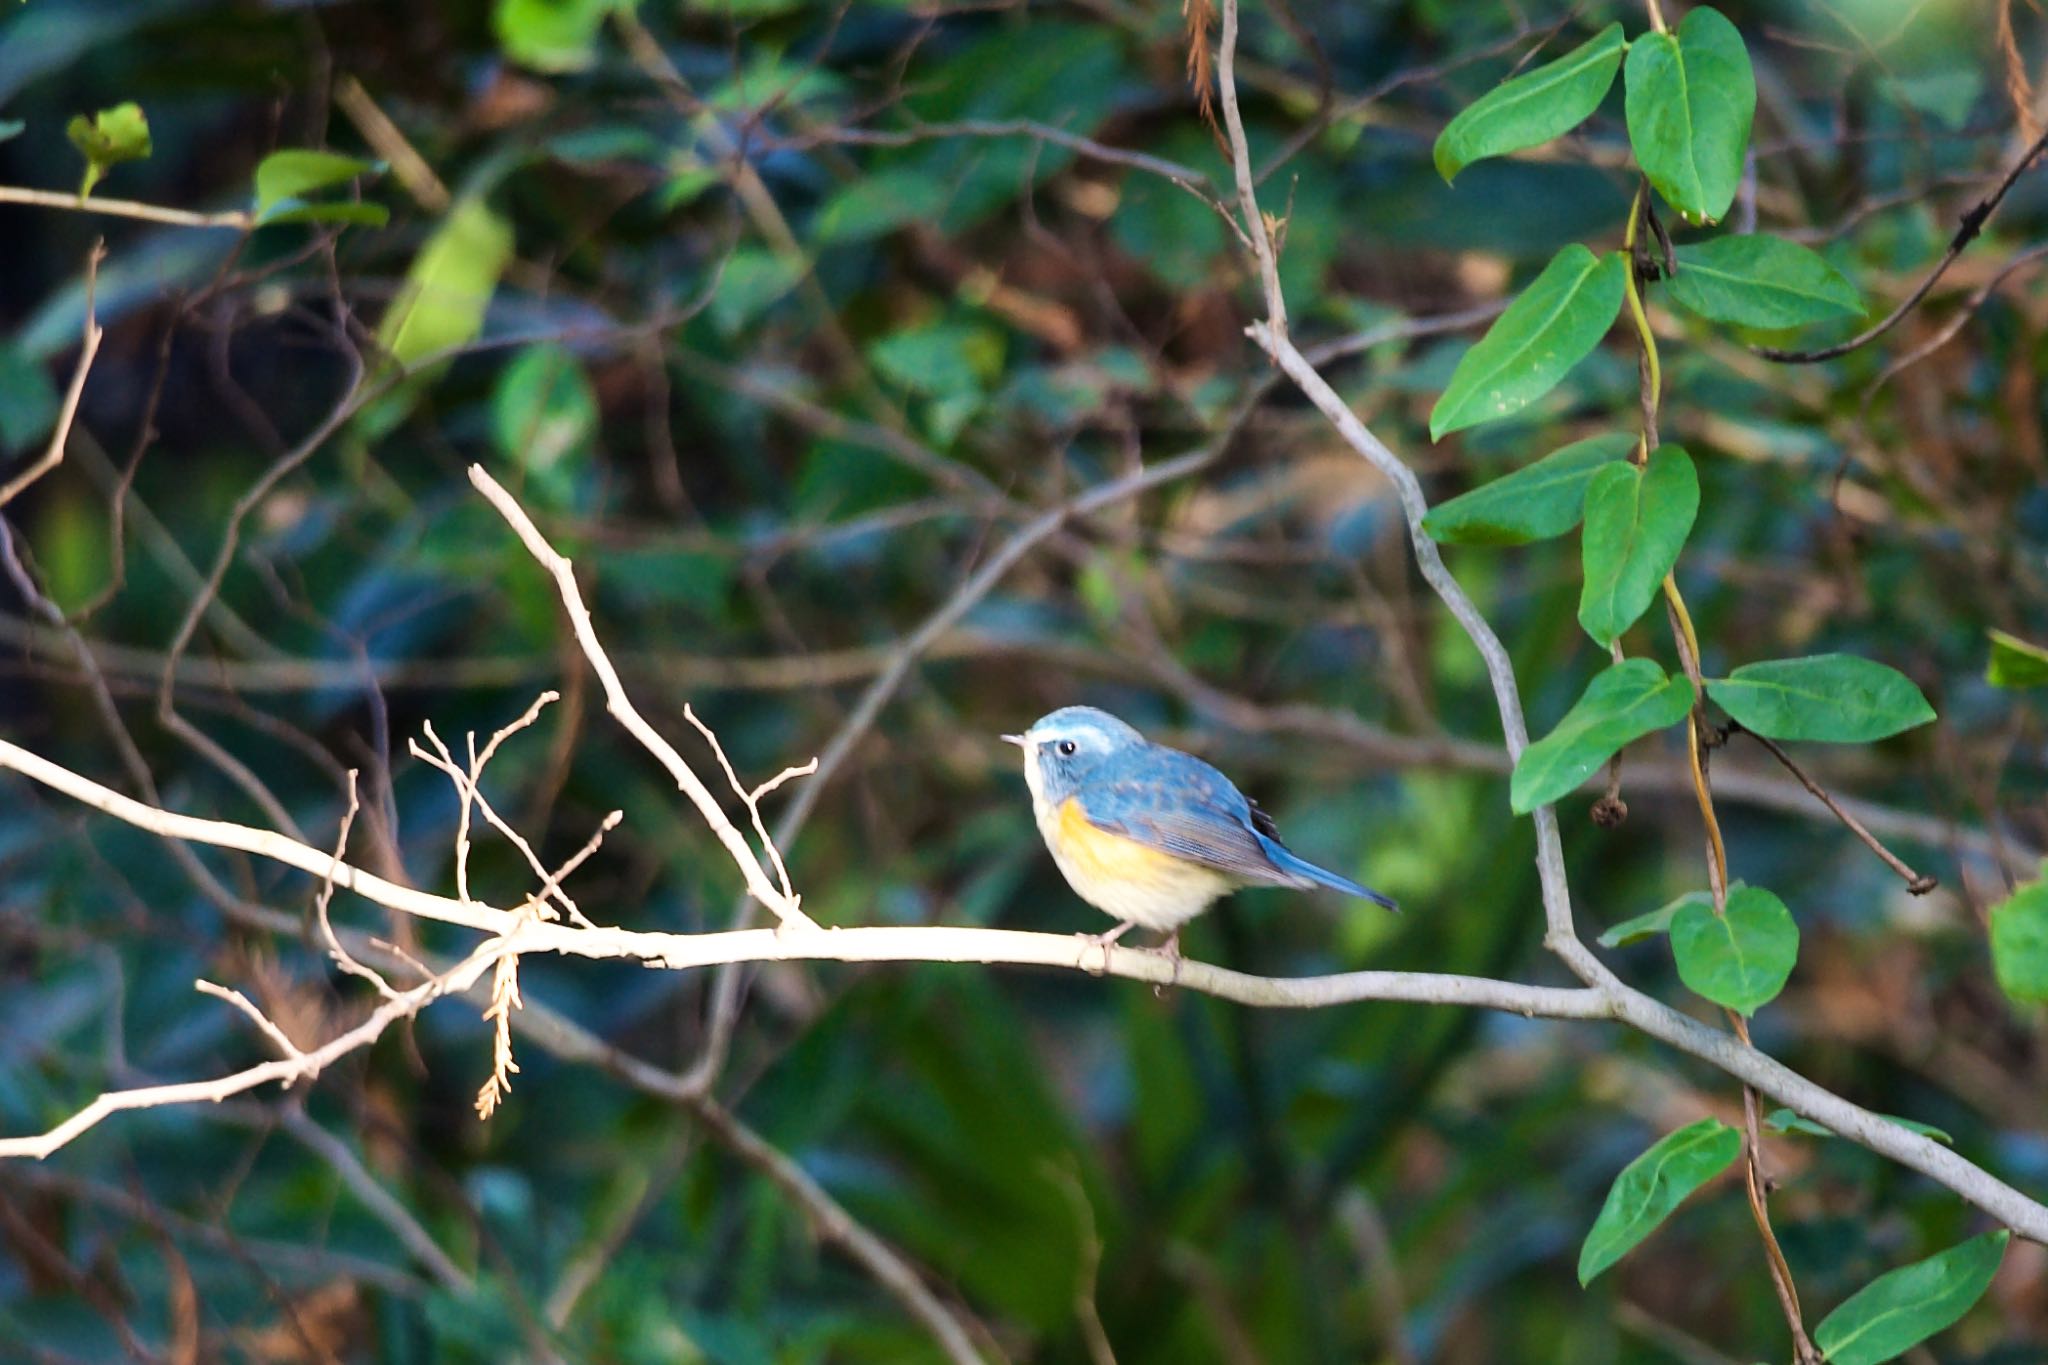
1833,698
1755,280
1903,1307
1534,107
1652,924
1551,327
108,138
449,284
1691,97
1624,702
1785,1121
1636,523
1740,959
1651,1186
2015,663
2019,942
1533,503
297,172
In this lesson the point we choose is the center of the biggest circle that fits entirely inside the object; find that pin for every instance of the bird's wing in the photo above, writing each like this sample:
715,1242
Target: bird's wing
1182,806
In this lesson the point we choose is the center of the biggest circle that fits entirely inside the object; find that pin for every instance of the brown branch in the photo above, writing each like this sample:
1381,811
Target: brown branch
1917,883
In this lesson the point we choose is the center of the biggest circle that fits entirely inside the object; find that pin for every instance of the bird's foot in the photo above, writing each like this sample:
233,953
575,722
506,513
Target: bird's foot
1103,941
1169,948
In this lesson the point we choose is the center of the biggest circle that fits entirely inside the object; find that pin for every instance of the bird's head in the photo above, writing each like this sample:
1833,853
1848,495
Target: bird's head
1061,748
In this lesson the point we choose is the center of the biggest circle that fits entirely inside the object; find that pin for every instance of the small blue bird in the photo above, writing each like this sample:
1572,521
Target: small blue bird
1148,834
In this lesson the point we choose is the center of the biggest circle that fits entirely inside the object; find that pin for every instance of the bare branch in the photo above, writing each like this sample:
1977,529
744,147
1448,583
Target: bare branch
88,347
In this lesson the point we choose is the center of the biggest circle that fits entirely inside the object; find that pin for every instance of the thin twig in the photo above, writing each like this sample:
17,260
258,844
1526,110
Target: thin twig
1917,883
1973,223
88,347
127,208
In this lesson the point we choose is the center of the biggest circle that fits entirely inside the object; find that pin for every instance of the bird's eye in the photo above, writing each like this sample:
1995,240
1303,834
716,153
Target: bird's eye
1067,747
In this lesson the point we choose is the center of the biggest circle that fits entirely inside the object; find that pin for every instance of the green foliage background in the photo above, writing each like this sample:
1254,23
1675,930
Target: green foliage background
772,458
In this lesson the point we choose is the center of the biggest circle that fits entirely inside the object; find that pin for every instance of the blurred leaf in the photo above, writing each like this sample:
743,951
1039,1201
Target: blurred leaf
1651,1186
2015,663
1760,281
544,417
1653,923
1624,702
1636,523
1548,329
2019,942
1832,698
872,205
551,35
1533,503
28,400
1532,108
10,128
449,285
1785,1121
1176,235
753,278
940,358
1740,959
1949,93
1691,97
1067,74
1902,1308
108,138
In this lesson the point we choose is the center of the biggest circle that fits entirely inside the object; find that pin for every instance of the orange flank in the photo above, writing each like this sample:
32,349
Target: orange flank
1096,855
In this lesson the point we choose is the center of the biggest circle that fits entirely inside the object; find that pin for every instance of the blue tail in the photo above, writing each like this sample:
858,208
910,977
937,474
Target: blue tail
1302,868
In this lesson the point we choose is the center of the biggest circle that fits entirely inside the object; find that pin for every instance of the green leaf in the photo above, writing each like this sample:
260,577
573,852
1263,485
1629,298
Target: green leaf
1651,1186
1691,96
872,205
749,283
347,211
297,172
944,359
1740,959
1833,698
1533,503
1636,523
550,35
284,179
1785,1121
1532,108
2019,942
449,284
544,416
1754,280
28,400
2015,663
11,128
1555,323
1903,1307
107,139
1624,702
1650,925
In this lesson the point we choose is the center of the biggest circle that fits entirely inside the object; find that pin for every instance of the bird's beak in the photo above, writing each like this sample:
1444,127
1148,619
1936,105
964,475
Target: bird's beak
1017,740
